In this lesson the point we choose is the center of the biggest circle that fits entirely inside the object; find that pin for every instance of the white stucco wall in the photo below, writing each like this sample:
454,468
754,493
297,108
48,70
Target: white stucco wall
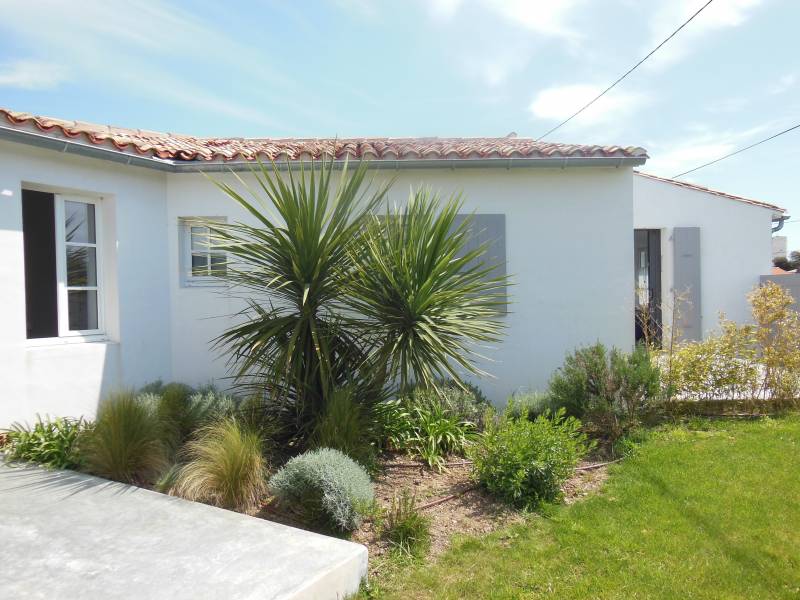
564,295
735,243
59,378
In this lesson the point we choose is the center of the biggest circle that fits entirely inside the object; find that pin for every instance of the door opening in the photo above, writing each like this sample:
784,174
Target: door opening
647,277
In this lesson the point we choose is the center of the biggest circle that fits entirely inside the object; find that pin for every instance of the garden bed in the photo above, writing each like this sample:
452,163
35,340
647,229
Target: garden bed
699,511
455,505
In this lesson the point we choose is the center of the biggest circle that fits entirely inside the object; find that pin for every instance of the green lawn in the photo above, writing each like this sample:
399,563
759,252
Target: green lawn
708,512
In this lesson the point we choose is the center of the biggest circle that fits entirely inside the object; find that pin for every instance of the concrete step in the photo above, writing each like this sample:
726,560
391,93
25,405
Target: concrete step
69,535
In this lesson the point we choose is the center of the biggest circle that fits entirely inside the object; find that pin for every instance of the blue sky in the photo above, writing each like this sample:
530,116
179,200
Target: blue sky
436,67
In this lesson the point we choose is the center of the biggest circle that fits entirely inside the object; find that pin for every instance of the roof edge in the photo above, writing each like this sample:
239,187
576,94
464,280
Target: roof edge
707,190
71,146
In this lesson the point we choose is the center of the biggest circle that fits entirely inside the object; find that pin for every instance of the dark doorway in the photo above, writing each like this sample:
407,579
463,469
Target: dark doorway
647,277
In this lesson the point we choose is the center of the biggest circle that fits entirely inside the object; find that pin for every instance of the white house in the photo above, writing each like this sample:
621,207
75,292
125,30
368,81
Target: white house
98,231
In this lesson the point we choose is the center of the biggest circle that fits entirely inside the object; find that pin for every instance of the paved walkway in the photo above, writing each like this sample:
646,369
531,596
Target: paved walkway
65,535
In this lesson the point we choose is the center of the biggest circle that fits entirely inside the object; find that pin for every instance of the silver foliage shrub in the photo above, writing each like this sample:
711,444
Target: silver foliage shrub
329,488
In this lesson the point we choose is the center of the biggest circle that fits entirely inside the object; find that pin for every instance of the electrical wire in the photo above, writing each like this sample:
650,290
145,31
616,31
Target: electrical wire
628,72
772,137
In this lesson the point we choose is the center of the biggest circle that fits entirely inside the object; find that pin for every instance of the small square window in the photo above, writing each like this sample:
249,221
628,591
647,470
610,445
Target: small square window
201,262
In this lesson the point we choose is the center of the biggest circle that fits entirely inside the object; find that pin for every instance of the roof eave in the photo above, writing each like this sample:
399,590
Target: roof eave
429,163
68,146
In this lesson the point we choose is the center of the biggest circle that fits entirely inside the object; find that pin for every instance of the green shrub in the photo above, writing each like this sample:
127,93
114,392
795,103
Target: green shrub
183,411
528,405
406,527
50,442
609,391
345,426
438,432
328,488
126,441
525,462
224,467
466,400
424,427
582,381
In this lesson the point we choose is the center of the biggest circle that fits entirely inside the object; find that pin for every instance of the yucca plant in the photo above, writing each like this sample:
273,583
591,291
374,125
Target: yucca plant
427,296
339,296
225,467
298,345
125,443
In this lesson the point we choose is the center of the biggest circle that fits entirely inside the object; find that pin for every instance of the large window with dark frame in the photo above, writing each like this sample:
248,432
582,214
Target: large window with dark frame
63,283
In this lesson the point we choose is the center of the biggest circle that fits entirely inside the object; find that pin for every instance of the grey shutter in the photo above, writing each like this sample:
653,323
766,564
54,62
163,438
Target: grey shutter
686,255
489,230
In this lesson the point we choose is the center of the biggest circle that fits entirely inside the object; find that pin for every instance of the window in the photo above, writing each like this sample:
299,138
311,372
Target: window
201,263
63,287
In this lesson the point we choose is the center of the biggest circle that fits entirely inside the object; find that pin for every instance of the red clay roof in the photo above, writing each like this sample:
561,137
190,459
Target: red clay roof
701,188
190,148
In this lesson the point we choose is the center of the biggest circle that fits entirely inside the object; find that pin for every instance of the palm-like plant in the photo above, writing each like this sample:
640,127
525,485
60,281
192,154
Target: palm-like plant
426,296
294,339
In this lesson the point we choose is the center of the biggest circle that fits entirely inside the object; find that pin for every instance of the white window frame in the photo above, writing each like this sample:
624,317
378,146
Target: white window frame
61,267
187,278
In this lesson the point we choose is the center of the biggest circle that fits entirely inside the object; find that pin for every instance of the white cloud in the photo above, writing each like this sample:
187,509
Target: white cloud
719,15
559,102
784,84
120,44
496,39
31,75
366,9
444,9
548,17
728,105
702,145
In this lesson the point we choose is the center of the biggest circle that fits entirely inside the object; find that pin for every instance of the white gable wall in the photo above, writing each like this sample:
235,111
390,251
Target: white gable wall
735,244
59,378
565,295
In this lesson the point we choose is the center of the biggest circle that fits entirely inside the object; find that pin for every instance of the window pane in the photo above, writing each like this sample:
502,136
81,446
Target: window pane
81,266
199,239
79,222
199,264
82,309
218,266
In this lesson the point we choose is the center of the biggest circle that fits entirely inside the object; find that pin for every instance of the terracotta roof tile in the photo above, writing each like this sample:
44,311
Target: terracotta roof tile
779,271
700,188
189,148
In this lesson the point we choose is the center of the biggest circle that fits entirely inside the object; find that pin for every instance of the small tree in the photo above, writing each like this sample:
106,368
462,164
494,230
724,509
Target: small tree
336,296
427,298
293,342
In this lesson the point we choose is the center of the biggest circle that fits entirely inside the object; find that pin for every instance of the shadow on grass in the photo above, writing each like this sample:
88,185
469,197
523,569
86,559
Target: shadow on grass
748,558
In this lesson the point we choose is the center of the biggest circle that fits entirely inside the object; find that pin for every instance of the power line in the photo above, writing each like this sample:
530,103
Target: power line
772,137
628,72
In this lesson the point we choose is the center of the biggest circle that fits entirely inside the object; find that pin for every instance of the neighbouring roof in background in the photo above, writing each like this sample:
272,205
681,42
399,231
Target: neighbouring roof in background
700,188
177,147
779,271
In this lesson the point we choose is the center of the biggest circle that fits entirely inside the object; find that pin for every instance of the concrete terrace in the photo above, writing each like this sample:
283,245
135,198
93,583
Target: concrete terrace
69,535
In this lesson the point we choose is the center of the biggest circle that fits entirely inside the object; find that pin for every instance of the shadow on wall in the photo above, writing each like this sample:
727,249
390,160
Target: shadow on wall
66,380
